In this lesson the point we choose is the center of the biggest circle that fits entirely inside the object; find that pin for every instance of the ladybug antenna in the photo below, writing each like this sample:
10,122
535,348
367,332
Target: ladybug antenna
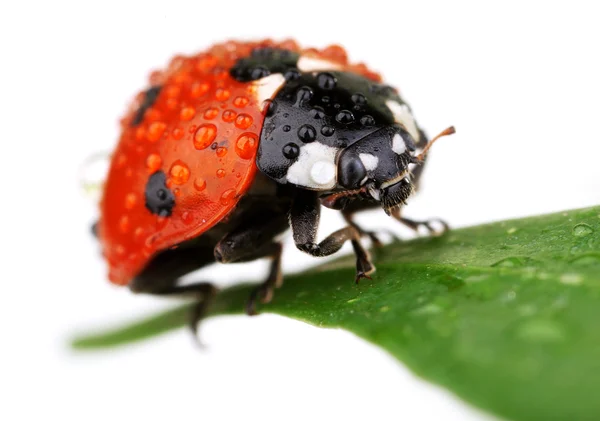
421,157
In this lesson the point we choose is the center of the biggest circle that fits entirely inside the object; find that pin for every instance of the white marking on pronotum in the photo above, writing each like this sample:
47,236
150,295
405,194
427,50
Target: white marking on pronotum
312,64
267,87
403,116
398,144
369,161
315,167
322,172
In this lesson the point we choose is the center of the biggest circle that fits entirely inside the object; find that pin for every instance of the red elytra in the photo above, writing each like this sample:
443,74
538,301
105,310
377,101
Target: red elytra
202,131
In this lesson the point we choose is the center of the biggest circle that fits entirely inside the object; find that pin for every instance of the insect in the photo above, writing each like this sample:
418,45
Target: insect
228,148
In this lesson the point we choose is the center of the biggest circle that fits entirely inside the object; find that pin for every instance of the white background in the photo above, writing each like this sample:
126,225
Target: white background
520,81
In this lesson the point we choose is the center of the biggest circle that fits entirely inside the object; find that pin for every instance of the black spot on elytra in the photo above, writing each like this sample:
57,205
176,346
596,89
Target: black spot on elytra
159,199
150,97
262,62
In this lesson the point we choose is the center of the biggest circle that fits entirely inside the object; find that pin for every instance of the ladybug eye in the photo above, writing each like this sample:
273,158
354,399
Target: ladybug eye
351,171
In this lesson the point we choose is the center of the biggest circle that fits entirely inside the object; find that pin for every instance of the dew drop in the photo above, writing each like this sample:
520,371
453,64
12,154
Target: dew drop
240,101
187,113
222,94
344,117
228,116
200,184
130,201
243,121
581,230
204,136
124,224
227,197
307,133
199,89
221,151
220,173
153,162
570,279
211,113
155,131
509,262
179,172
177,133
246,145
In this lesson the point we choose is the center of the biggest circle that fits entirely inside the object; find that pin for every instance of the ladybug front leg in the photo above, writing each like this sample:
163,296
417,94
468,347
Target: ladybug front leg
304,220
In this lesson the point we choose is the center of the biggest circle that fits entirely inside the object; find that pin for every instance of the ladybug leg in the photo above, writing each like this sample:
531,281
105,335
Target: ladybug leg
348,217
264,292
251,241
434,226
162,273
304,220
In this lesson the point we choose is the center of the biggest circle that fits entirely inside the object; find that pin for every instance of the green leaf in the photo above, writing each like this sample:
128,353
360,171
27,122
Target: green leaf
505,315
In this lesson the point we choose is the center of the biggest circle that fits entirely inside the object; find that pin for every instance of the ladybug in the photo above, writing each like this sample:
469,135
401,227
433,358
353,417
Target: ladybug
228,148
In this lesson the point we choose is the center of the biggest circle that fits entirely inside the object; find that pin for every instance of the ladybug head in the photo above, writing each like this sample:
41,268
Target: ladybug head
377,167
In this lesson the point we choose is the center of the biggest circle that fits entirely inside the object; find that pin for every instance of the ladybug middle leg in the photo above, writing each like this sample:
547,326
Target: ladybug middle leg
304,220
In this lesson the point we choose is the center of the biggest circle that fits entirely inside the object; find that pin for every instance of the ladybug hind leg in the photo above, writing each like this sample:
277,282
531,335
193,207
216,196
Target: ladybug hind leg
254,239
304,219
162,273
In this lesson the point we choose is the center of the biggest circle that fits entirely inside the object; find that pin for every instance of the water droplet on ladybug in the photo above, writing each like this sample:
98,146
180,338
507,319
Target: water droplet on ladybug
291,151
291,74
259,72
179,172
222,94
243,121
326,81
211,113
124,224
221,151
303,94
327,131
228,116
153,162
317,112
246,145
155,131
130,201
177,133
268,107
204,136
359,99
187,113
227,197
220,173
199,184
240,101
199,89
367,120
307,133
344,117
